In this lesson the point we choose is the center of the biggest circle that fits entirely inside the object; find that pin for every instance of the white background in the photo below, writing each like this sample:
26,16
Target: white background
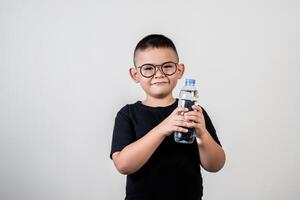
64,75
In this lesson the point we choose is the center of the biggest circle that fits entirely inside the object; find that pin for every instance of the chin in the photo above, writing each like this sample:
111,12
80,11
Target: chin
161,92
160,95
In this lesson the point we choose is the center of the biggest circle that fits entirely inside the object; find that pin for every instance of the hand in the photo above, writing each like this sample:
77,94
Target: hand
174,122
195,119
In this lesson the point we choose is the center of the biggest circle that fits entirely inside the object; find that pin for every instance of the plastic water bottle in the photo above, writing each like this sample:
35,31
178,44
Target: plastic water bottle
187,97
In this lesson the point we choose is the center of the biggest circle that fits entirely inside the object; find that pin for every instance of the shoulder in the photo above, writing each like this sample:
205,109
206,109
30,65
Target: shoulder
204,111
207,118
124,109
127,109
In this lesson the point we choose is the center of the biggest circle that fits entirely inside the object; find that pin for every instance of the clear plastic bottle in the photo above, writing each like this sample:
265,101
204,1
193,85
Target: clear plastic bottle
187,97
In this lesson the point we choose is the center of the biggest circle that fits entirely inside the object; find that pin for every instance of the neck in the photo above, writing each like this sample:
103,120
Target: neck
159,102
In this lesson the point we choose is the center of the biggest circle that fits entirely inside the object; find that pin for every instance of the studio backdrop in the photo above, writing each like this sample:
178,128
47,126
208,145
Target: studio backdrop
64,75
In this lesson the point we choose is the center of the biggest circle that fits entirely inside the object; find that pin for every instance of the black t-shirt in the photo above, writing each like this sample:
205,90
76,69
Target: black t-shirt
173,171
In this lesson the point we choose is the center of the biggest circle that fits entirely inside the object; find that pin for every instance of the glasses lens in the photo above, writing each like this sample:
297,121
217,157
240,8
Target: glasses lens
147,70
169,68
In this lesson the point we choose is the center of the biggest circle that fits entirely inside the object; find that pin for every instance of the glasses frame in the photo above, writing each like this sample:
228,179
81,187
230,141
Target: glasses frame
158,67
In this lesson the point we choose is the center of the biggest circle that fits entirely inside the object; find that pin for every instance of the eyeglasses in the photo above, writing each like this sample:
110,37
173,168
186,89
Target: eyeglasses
167,68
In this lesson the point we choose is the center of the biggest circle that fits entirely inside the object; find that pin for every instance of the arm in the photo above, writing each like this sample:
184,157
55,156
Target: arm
136,154
212,156
131,158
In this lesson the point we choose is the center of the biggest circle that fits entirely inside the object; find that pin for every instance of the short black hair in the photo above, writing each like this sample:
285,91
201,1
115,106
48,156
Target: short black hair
154,41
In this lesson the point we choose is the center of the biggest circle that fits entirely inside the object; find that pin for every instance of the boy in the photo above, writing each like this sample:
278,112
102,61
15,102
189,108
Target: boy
143,146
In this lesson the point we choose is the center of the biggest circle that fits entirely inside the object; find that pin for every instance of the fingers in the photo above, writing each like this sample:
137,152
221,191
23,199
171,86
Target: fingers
196,114
178,118
197,111
184,119
180,110
188,116
183,109
192,124
193,118
181,123
197,108
180,129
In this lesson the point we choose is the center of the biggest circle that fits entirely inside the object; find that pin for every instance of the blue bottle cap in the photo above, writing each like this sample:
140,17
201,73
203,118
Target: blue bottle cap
190,82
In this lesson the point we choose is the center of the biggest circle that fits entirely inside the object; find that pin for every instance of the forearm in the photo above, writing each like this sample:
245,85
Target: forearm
136,154
212,155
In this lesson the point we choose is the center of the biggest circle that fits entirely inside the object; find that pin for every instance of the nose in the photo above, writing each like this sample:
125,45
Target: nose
158,72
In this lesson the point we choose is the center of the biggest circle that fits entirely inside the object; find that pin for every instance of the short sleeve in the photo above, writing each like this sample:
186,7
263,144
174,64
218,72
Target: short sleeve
210,127
123,132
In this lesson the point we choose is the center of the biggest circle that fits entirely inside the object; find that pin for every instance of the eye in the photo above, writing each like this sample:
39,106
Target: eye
147,67
167,66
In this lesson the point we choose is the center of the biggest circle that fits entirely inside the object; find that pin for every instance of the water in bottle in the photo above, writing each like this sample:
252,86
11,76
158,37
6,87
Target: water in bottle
187,98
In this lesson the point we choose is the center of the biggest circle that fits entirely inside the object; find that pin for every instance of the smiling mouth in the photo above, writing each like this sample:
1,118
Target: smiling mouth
159,83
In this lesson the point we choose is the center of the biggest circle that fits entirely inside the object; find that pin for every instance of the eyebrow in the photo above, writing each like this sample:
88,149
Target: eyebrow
159,64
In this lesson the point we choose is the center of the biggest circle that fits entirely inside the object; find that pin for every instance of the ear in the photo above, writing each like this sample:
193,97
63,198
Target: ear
180,70
134,74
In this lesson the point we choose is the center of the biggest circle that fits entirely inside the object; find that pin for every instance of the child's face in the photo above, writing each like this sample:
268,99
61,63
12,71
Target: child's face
159,85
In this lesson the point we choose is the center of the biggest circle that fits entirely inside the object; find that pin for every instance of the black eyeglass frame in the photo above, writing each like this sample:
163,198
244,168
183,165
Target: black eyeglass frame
158,67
